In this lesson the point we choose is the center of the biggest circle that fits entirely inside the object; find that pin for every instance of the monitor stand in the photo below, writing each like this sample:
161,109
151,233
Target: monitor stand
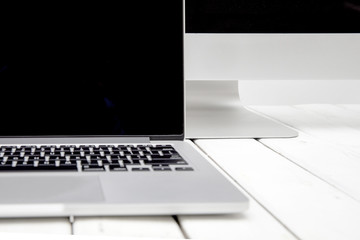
213,110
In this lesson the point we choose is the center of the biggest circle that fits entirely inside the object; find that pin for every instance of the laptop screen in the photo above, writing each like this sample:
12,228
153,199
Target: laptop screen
92,69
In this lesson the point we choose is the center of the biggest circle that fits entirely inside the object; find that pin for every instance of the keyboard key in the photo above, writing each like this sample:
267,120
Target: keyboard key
140,169
13,154
77,158
6,167
164,146
170,162
127,152
57,158
47,165
23,163
92,168
39,168
161,169
87,146
84,162
117,167
67,167
184,169
176,156
134,162
97,158
36,158
117,158
168,149
12,158
126,162
17,168
160,165
135,152
53,154
88,153
167,154
67,162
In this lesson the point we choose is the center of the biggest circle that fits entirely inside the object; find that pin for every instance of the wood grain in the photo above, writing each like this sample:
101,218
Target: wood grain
317,151
305,204
138,227
36,225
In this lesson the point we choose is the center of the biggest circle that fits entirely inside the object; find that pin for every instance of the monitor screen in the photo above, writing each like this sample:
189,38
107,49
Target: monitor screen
92,69
272,40
272,16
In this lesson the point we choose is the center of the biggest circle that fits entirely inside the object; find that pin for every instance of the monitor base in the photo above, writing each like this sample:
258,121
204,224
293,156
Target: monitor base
213,110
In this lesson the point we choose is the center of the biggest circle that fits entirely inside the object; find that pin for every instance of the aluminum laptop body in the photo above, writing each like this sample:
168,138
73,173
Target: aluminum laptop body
76,79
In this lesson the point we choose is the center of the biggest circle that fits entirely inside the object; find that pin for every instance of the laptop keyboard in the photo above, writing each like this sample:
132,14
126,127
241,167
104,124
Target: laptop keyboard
91,158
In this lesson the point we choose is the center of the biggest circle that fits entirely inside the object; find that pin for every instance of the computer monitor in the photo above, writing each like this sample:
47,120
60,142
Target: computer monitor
288,42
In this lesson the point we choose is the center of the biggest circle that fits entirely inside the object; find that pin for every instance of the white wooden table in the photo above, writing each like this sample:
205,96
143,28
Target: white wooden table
301,188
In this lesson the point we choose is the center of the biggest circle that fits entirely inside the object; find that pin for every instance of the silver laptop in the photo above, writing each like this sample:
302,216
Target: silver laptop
92,122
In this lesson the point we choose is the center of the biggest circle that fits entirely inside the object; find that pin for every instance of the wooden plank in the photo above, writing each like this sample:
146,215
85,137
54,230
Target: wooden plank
337,164
333,164
313,124
37,236
255,223
36,225
307,205
334,114
318,151
137,227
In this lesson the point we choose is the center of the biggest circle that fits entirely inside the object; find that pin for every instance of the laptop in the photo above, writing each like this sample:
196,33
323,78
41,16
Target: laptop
92,122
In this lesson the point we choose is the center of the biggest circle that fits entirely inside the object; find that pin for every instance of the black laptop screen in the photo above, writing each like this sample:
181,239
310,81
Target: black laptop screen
92,69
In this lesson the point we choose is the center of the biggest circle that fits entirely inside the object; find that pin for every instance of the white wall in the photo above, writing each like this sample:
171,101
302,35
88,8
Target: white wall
279,68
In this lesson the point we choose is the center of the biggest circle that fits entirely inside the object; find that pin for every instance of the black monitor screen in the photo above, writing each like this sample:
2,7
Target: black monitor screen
95,68
273,16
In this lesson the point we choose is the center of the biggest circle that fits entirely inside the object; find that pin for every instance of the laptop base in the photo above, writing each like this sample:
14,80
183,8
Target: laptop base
205,190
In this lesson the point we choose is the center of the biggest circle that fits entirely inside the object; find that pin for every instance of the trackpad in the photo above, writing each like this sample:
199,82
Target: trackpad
50,189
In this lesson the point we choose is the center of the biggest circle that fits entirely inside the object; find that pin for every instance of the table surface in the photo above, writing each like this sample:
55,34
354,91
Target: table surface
299,188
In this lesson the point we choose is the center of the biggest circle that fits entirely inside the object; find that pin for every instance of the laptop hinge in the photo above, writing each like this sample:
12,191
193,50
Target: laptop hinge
75,140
